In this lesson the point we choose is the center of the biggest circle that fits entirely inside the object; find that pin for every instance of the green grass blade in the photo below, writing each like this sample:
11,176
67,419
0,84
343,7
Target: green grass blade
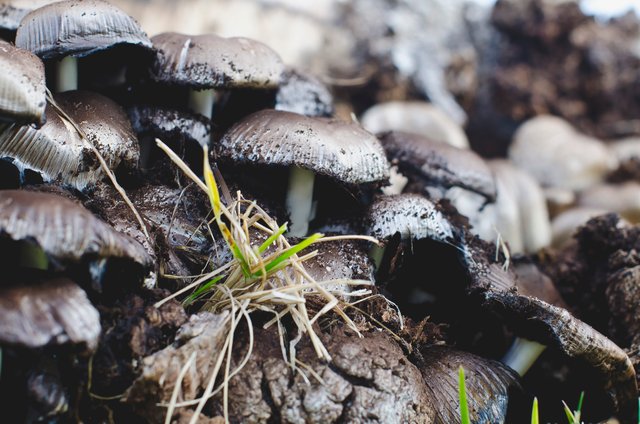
290,252
578,412
202,289
268,242
235,250
464,407
568,413
535,417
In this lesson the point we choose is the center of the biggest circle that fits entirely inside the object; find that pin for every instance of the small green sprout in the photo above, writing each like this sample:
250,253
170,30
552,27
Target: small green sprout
535,416
574,416
462,389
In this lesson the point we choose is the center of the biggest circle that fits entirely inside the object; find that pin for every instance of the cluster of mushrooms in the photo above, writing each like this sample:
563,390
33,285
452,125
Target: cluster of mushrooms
97,224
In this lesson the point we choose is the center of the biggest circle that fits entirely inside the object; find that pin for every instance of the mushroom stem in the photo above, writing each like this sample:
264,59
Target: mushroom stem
522,354
300,200
202,101
32,256
67,78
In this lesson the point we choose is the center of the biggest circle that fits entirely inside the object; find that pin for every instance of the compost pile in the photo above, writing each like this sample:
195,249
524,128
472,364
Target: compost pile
193,229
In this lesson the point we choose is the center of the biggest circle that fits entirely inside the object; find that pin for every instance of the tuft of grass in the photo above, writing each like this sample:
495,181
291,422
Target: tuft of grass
535,416
573,417
266,273
462,393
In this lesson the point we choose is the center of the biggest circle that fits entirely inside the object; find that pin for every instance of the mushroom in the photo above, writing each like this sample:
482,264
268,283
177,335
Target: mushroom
428,163
492,389
309,147
550,325
556,155
204,63
302,93
50,311
621,198
531,282
69,235
57,152
169,125
12,12
72,29
415,117
46,320
521,217
22,86
413,216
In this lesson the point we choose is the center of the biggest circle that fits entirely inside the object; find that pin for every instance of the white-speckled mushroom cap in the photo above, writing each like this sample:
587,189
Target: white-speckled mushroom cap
78,28
210,61
341,150
412,215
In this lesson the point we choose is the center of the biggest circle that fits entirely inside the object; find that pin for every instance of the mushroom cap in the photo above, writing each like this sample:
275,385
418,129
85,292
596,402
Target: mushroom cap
439,163
56,312
210,61
302,93
78,28
414,117
341,150
488,385
412,215
556,155
621,198
169,124
22,85
64,230
522,217
537,320
57,151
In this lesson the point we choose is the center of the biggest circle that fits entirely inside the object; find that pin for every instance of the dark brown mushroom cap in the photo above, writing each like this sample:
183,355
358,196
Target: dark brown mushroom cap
489,385
64,230
22,85
535,319
78,28
341,150
303,93
210,61
412,215
439,163
50,312
57,151
170,124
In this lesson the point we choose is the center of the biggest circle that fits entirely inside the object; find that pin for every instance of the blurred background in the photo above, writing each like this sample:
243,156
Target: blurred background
488,65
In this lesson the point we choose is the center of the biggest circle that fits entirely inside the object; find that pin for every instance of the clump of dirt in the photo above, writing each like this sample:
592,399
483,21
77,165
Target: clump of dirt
553,59
581,270
132,329
369,379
